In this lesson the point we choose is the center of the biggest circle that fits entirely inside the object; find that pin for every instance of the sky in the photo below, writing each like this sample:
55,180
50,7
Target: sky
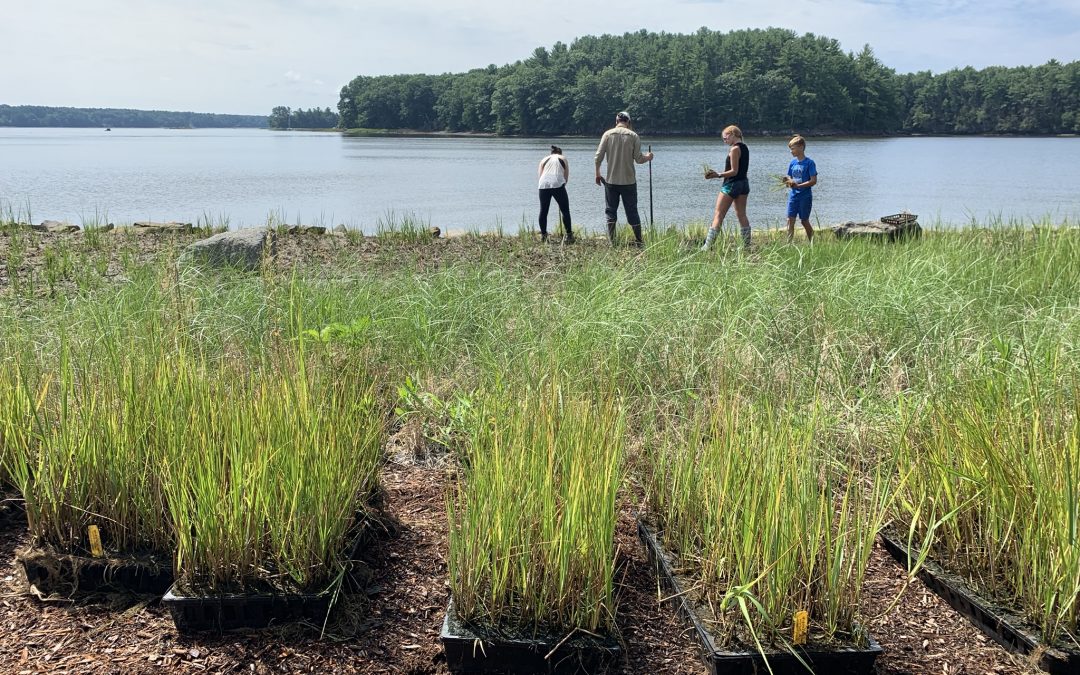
247,56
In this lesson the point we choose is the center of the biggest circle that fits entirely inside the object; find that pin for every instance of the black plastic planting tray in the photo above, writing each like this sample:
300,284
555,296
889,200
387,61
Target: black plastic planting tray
66,574
476,649
997,622
219,613
197,612
824,661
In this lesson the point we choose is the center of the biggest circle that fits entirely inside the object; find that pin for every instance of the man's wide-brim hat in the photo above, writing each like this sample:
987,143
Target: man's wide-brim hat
622,116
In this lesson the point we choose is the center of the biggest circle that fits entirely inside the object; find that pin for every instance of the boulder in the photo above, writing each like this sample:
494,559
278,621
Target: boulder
242,249
55,227
896,227
157,228
341,229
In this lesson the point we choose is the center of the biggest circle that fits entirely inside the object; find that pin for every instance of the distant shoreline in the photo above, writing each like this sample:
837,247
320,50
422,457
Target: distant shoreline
411,133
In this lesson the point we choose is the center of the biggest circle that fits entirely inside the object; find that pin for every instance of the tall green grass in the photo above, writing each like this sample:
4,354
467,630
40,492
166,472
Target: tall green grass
532,522
763,526
994,494
256,475
92,460
839,333
272,472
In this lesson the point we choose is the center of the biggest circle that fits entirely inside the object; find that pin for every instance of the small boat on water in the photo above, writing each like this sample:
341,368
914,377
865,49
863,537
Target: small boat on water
108,129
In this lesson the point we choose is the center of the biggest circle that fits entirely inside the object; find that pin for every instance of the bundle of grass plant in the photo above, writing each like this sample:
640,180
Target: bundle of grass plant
532,523
270,469
778,182
762,528
994,495
94,460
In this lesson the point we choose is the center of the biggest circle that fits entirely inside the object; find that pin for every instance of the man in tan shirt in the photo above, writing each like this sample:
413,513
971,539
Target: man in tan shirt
622,149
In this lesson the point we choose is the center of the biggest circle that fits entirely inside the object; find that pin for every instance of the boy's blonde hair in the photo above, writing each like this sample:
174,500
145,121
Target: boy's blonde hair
733,130
796,140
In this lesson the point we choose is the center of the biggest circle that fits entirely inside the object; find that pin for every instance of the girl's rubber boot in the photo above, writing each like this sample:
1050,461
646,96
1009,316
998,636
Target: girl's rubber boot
709,239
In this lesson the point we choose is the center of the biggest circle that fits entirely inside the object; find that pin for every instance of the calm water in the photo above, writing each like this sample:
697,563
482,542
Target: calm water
249,175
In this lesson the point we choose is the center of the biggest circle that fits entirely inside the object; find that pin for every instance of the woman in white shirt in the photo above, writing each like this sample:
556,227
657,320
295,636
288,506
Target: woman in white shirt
554,171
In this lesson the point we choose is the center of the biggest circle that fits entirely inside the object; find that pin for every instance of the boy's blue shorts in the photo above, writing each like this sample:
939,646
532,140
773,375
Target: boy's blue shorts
799,205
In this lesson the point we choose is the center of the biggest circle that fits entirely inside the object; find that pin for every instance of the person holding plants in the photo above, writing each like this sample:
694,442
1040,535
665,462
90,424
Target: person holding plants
801,177
735,189
621,147
554,171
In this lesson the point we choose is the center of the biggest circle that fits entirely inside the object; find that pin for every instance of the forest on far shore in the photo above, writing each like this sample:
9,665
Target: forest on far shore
763,80
50,116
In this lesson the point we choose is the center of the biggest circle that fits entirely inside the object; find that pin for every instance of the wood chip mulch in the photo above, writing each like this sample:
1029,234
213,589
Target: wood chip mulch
393,626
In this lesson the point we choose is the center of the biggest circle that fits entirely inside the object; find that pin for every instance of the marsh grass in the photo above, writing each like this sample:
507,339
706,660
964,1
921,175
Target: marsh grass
273,471
778,182
256,475
208,223
840,334
91,461
406,227
994,493
764,526
532,522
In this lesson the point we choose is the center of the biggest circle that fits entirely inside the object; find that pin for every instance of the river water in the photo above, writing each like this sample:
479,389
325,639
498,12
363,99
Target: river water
246,177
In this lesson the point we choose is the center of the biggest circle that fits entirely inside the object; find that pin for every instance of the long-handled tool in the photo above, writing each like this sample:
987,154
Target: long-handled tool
650,188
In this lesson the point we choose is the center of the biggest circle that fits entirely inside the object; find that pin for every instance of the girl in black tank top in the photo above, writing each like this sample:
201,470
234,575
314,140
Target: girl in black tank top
744,164
735,187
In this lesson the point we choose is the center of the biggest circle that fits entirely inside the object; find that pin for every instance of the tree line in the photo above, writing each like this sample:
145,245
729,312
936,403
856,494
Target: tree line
765,80
283,117
46,116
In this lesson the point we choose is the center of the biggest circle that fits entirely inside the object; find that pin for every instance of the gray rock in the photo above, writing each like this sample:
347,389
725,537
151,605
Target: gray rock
896,227
56,227
157,228
341,229
242,249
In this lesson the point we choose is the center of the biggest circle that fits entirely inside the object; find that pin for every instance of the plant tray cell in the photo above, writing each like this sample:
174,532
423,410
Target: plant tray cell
848,660
999,623
476,649
219,613
68,575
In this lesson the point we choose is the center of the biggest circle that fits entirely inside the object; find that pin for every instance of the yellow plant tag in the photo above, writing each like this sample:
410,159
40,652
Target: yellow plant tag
95,541
802,621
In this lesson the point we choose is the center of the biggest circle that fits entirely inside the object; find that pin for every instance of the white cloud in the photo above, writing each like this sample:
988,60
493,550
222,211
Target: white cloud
229,56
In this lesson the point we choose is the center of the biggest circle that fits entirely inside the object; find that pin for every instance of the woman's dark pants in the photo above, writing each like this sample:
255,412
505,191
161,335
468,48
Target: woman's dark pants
563,200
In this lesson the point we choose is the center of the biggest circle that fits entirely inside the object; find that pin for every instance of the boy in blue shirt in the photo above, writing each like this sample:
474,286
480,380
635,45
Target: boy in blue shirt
801,177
